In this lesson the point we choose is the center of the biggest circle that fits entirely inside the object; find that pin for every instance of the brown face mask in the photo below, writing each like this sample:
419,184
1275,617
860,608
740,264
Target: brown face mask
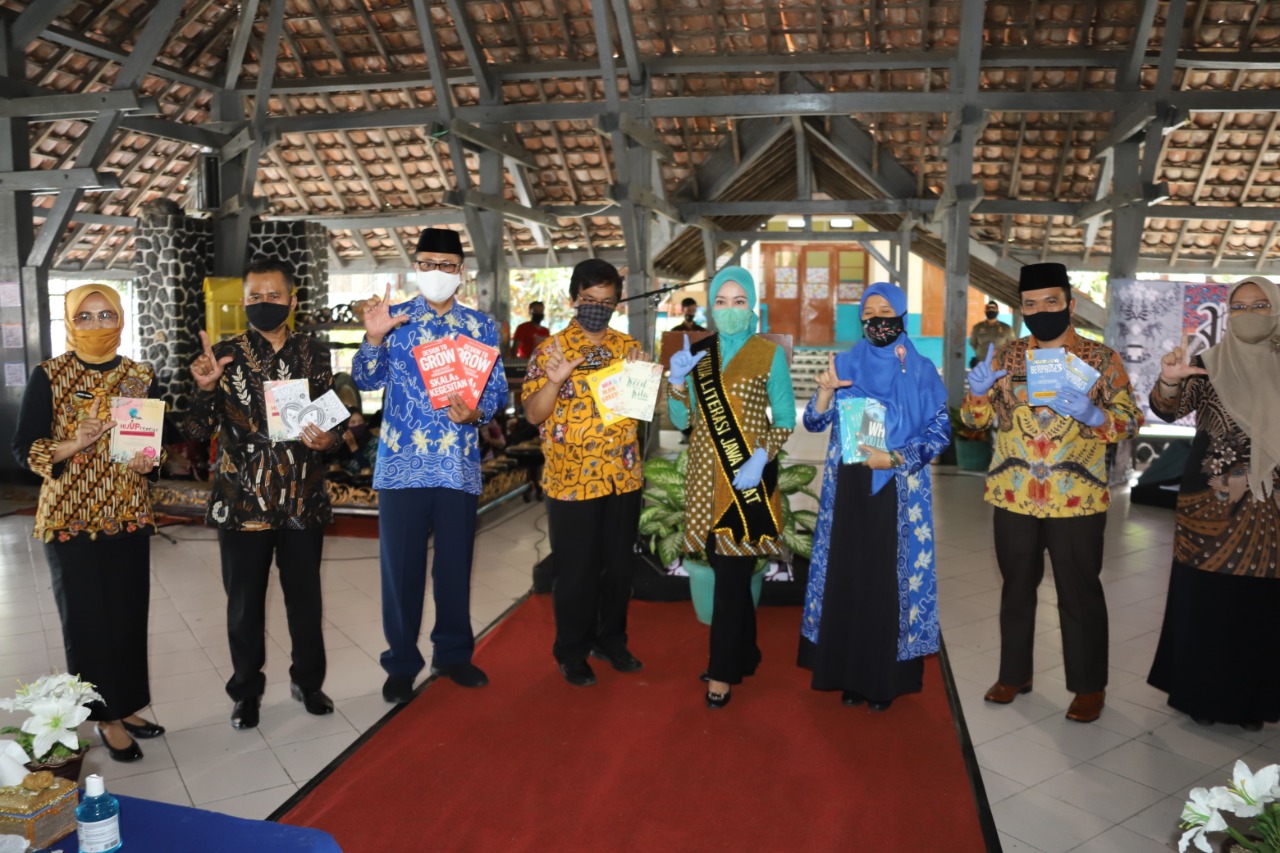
97,346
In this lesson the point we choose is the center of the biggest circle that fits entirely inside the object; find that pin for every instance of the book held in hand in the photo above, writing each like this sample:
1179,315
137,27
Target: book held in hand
285,398
626,389
477,361
1078,374
1044,375
139,427
458,365
861,422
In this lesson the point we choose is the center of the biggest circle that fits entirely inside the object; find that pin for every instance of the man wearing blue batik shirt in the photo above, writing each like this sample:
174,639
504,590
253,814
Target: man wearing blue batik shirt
428,469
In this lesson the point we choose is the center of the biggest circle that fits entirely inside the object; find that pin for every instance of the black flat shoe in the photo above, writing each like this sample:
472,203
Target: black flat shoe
849,697
622,661
880,706
129,753
1252,726
245,713
398,689
705,677
146,730
1202,721
463,674
578,674
313,700
718,700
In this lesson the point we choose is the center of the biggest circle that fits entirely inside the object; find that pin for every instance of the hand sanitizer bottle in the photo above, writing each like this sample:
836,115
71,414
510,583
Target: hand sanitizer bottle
98,818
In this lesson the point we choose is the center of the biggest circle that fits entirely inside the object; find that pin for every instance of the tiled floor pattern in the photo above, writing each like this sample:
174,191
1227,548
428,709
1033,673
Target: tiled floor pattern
1116,785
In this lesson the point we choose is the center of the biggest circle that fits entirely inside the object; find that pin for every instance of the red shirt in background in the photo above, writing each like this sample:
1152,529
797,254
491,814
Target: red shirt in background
527,337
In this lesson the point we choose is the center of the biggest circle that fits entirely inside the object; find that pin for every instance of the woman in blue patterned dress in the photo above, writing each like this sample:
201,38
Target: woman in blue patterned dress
870,611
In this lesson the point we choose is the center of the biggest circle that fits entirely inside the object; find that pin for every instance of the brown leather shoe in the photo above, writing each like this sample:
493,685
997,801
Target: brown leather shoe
1086,707
1003,694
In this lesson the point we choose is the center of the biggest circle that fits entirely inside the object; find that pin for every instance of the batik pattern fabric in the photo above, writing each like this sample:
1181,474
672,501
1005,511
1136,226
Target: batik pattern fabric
1045,464
86,494
584,459
259,484
918,631
418,446
708,489
1222,526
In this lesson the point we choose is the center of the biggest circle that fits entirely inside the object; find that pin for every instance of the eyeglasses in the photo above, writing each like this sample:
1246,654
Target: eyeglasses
1256,307
444,266
103,318
582,300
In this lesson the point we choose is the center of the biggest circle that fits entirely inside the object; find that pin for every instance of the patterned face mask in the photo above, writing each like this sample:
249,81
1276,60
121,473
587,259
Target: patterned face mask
593,316
882,331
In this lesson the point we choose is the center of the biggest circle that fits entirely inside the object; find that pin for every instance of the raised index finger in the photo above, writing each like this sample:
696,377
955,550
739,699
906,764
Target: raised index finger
1186,350
686,341
204,342
991,351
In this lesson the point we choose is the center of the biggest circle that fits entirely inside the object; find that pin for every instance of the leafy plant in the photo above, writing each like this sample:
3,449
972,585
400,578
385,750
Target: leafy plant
662,518
1249,795
57,704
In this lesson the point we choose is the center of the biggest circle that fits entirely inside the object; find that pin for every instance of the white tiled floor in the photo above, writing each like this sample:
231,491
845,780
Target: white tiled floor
1116,785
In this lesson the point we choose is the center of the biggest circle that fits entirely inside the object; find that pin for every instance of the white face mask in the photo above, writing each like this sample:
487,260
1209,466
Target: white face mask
437,286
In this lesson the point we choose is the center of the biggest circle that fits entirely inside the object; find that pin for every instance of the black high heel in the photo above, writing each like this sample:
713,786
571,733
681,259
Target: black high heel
129,753
146,730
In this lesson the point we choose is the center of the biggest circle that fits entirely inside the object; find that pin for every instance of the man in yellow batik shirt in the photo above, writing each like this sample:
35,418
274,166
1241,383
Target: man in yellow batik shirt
1048,484
592,478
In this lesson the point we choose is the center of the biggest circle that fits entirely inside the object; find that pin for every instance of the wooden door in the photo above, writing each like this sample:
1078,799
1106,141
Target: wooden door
781,290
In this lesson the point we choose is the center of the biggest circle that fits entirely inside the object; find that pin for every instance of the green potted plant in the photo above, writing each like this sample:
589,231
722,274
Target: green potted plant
58,704
973,446
662,520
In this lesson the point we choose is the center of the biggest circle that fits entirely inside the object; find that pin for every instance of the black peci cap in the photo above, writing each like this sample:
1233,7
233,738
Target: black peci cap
1039,276
441,240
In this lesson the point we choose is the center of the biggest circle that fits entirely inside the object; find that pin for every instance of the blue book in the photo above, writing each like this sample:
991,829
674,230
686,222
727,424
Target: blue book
1045,369
1077,374
861,422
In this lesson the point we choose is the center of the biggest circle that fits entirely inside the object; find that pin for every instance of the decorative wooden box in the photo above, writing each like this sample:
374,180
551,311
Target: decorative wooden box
42,817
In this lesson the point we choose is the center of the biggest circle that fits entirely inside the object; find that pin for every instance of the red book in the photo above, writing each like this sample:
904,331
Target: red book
442,372
477,361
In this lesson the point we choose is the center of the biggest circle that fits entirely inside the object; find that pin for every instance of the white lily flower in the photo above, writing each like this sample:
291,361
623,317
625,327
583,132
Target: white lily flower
53,722
1251,792
1197,833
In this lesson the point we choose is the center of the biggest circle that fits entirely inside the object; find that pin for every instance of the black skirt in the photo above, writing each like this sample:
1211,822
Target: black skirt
857,648
103,591
1216,657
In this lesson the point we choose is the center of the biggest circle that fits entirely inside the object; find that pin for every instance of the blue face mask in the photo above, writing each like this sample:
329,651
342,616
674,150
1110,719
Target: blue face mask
732,321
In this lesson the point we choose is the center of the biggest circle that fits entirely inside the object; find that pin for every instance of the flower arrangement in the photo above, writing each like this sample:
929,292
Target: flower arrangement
56,704
1250,795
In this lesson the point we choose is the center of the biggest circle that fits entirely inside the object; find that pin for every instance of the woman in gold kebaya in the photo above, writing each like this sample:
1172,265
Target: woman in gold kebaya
94,514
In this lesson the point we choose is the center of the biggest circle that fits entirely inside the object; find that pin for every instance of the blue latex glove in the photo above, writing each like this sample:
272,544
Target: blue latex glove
1073,404
682,363
748,476
982,377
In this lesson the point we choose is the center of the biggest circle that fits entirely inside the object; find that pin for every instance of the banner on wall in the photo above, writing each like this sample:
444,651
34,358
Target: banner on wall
1146,319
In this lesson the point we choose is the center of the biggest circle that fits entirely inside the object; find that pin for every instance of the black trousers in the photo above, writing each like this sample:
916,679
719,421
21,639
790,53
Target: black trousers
246,568
103,592
593,557
1075,547
734,652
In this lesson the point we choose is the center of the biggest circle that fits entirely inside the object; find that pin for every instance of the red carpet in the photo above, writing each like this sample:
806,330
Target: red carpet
638,762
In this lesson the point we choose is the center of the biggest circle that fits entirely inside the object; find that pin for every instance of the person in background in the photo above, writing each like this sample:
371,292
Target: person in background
94,515
731,381
269,499
345,387
357,451
989,332
689,310
428,472
1048,484
1226,545
871,608
531,332
592,478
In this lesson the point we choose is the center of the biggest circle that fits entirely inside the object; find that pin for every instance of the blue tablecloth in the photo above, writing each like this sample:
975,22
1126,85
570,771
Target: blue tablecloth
150,827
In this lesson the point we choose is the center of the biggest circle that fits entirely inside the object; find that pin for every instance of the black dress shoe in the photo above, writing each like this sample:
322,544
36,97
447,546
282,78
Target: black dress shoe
879,705
313,700
718,700
245,714
146,730
578,674
463,674
850,697
1202,721
1252,726
129,753
622,661
398,689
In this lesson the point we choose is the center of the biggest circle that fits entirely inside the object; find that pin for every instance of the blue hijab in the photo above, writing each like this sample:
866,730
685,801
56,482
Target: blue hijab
730,344
896,375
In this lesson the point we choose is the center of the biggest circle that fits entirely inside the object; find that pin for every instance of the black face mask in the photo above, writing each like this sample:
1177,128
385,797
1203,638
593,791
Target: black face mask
359,431
536,319
266,316
882,331
1048,325
991,315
